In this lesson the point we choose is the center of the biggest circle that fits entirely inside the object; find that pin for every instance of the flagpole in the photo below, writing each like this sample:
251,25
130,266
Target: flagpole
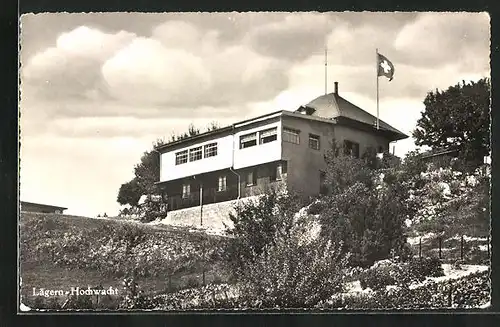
326,70
376,60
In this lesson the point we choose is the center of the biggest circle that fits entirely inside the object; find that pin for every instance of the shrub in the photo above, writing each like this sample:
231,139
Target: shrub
192,282
256,224
135,298
316,208
289,275
371,224
376,278
220,296
466,292
385,273
366,206
426,267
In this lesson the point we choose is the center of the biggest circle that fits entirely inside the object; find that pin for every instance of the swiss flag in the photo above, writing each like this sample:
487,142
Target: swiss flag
385,67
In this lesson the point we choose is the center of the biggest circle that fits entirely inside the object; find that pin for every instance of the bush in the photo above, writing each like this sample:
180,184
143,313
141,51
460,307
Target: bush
316,208
293,275
192,282
366,206
466,292
385,273
256,224
278,258
377,278
220,296
426,267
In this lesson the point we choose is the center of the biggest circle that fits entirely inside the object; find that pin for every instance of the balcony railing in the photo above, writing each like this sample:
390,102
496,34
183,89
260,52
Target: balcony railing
210,195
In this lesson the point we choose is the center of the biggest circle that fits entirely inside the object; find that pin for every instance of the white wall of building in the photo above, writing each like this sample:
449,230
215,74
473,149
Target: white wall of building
255,155
260,153
170,171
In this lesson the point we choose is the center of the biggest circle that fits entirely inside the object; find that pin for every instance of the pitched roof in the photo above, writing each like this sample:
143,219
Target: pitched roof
332,105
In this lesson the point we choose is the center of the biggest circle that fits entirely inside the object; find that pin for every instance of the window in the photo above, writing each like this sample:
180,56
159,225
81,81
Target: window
291,136
251,178
222,184
351,148
186,190
210,150
248,140
277,173
268,135
195,154
181,157
314,141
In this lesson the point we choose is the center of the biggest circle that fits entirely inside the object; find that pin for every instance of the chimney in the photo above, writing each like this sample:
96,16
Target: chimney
336,87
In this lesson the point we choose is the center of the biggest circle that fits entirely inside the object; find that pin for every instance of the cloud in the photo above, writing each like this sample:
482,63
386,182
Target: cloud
293,38
147,72
72,68
178,66
436,39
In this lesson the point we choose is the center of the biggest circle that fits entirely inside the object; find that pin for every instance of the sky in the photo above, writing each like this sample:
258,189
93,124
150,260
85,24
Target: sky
98,89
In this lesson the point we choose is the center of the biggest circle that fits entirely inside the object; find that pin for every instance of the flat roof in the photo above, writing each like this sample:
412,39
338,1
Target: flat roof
42,205
278,113
216,131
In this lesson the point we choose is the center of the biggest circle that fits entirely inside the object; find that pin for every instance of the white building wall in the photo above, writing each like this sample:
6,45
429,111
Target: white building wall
170,171
255,155
260,153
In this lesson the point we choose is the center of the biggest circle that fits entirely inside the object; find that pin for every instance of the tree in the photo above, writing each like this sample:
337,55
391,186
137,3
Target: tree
146,172
129,193
457,118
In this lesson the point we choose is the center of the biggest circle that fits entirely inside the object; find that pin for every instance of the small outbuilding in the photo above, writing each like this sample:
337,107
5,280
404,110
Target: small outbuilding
41,208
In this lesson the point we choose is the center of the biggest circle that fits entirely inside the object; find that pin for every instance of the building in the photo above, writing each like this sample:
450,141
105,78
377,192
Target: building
279,149
41,208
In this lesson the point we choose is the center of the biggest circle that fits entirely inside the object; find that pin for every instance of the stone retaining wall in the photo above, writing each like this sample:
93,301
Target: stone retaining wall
213,216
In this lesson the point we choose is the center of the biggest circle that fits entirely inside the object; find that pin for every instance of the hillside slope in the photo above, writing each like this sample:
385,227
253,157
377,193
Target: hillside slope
58,252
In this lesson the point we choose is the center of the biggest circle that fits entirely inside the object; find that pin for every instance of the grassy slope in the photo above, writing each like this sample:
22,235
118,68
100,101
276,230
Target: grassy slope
44,274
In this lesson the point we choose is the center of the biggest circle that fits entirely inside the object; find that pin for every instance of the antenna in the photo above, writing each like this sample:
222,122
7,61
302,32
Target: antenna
326,70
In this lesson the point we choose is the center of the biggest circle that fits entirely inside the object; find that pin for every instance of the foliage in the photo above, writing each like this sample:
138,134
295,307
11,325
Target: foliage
291,274
457,118
366,206
465,292
256,224
276,259
453,202
377,278
135,298
117,250
212,296
129,193
213,126
343,171
146,173
426,267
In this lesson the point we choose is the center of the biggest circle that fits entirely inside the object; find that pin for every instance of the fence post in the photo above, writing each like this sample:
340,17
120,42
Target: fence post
462,248
440,241
420,248
450,295
488,245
